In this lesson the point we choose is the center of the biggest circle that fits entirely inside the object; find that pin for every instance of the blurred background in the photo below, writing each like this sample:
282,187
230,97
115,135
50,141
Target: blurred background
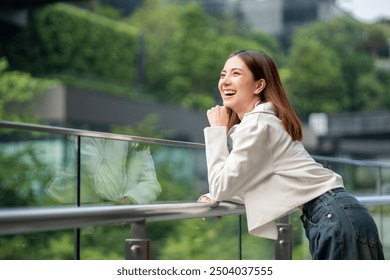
150,68
98,64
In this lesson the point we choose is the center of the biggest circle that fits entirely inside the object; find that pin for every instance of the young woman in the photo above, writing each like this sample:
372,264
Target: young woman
255,154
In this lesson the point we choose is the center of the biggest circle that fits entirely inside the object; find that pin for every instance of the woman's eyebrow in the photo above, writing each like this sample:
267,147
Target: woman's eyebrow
233,69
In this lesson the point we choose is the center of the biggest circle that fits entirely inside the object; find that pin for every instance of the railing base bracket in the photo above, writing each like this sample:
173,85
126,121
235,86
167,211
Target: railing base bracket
137,249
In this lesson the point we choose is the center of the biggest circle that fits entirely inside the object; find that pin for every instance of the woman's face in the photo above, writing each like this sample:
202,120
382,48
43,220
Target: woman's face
237,87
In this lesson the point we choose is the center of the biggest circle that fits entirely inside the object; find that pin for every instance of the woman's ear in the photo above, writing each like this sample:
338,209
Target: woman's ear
260,85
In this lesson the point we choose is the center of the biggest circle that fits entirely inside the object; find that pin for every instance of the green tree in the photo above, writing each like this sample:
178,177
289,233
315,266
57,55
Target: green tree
373,92
314,78
338,54
183,55
19,92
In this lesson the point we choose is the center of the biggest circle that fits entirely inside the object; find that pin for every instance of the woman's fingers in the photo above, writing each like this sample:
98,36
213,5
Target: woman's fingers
218,116
207,199
204,199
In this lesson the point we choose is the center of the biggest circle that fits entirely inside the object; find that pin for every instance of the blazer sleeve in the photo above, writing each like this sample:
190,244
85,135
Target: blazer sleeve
249,162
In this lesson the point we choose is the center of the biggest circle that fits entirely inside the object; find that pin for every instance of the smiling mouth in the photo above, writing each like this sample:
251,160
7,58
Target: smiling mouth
229,92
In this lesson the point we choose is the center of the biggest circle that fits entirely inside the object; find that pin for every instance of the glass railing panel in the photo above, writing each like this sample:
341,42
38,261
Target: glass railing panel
366,180
41,169
362,178
255,248
195,239
124,172
181,173
146,174
111,172
27,161
103,242
188,239
117,171
57,245
61,186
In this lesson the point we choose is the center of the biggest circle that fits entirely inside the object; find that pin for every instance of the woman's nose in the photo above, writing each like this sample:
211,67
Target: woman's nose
226,80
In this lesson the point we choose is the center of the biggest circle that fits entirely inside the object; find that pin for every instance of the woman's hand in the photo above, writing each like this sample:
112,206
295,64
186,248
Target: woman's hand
218,116
207,199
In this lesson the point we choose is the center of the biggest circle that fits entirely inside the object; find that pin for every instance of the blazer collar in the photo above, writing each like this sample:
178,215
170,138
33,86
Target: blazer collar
266,108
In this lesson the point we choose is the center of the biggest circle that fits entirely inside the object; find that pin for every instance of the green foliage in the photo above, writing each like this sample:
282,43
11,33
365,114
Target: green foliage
329,61
22,194
19,92
54,42
179,59
62,244
194,240
107,11
89,82
104,243
372,91
148,127
199,101
184,55
316,87
270,45
214,238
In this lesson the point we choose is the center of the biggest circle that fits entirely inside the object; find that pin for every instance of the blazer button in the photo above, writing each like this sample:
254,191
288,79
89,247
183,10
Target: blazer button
329,216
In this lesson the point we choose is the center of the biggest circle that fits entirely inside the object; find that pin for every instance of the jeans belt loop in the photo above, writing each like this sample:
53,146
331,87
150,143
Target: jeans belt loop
331,192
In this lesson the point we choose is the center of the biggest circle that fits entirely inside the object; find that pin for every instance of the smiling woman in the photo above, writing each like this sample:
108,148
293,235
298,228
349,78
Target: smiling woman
236,75
255,156
255,75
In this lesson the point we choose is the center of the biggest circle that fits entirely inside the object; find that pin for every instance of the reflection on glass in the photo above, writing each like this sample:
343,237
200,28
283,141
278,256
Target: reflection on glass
110,171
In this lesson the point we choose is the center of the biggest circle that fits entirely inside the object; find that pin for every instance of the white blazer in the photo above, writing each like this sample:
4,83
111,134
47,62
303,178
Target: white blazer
265,169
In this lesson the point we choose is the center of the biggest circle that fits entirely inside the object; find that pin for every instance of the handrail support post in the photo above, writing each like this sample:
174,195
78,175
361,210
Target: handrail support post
283,245
138,246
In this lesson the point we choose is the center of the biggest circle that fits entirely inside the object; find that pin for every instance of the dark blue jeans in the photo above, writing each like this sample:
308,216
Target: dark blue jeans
340,228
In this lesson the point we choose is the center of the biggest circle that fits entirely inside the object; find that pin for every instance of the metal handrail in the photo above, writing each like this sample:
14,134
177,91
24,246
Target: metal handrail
27,220
352,161
378,200
90,133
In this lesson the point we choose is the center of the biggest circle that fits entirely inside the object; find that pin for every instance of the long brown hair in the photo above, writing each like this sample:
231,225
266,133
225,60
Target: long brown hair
263,67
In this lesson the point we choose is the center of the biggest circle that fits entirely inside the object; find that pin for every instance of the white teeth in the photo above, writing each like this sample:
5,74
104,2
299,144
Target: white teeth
229,92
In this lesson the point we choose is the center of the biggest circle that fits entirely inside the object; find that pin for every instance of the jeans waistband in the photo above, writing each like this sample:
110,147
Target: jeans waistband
330,193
